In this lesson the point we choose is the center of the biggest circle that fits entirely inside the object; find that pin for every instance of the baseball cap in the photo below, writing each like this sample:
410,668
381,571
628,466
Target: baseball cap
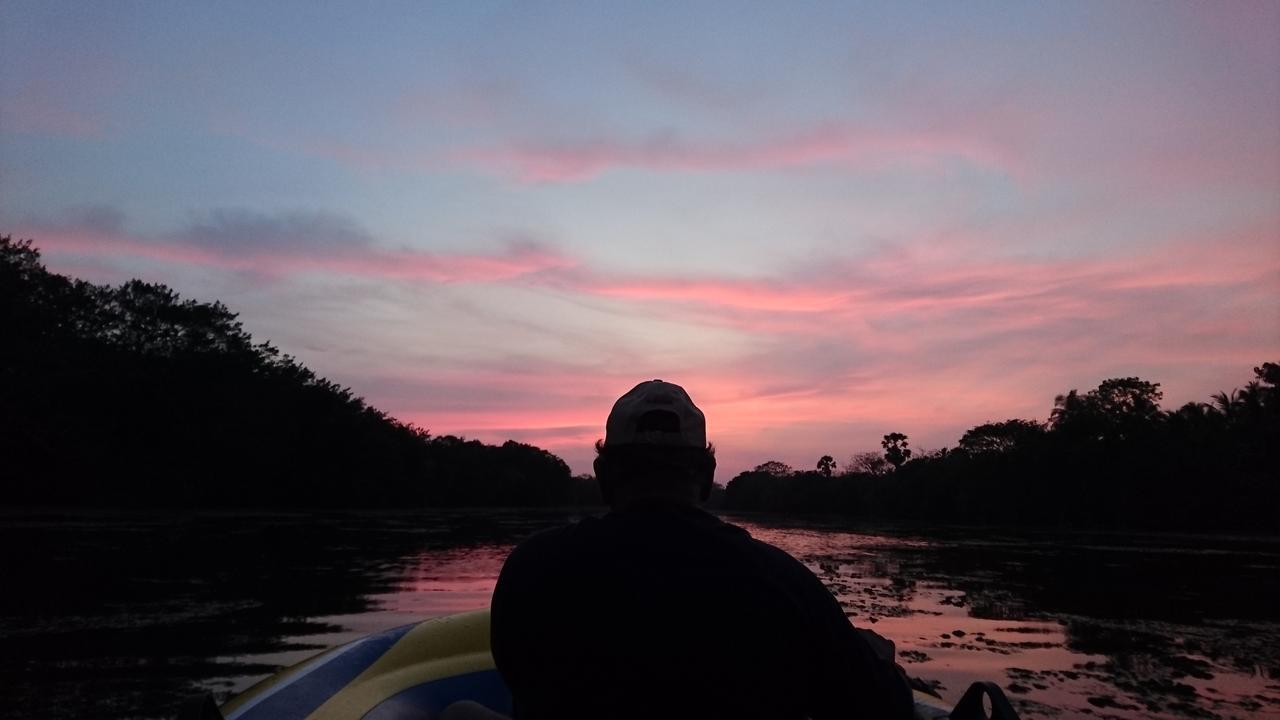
656,413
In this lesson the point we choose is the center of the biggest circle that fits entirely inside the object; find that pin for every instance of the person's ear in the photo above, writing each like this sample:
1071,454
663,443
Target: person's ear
704,488
708,477
604,479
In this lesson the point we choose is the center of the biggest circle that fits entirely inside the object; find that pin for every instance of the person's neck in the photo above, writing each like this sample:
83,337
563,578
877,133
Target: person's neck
654,502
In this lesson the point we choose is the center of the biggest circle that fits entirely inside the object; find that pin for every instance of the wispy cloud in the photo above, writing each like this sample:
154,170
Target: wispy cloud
912,337
865,148
66,95
35,113
285,244
235,231
896,342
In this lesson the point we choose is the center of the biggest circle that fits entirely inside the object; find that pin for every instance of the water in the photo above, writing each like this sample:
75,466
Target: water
110,615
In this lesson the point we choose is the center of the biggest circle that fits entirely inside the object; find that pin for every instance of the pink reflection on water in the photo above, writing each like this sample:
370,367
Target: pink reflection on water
446,581
937,639
433,583
950,629
951,638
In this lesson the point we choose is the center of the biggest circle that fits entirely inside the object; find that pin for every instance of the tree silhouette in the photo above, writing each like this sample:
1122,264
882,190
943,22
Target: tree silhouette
1067,410
1116,409
775,468
1128,398
1108,458
1000,437
868,463
1226,404
896,451
132,395
826,465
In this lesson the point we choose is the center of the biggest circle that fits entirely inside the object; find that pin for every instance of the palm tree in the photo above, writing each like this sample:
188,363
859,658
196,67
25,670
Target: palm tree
1066,408
1194,411
1227,404
895,449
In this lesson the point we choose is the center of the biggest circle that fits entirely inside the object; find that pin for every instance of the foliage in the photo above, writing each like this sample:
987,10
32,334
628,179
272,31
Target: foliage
131,395
868,463
1108,458
1115,410
826,466
774,468
896,452
1001,437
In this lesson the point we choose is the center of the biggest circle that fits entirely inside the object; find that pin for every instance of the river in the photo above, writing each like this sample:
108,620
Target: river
121,615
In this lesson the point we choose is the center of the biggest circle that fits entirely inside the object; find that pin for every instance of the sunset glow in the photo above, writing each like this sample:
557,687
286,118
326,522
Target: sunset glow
491,220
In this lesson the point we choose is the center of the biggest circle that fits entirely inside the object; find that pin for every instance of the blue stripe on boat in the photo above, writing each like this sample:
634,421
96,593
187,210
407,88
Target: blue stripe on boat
300,698
429,698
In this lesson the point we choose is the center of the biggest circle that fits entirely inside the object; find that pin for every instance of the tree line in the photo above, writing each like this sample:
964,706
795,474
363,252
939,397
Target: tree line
1109,458
130,395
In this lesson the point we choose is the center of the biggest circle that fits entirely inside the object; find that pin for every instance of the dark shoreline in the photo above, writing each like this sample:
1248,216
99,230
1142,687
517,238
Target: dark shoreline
824,521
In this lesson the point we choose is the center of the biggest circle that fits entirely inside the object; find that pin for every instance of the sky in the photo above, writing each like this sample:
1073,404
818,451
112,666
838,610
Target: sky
827,221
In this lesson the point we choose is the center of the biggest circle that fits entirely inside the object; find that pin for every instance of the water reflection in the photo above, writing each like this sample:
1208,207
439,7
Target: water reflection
122,616
1125,626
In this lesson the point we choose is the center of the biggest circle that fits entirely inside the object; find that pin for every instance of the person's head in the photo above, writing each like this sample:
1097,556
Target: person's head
655,448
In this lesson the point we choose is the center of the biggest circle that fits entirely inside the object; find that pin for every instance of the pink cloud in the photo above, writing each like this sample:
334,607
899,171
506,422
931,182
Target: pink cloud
352,155
515,261
923,338
66,96
892,284
468,104
361,157
751,294
748,421
931,348
312,244
35,114
835,144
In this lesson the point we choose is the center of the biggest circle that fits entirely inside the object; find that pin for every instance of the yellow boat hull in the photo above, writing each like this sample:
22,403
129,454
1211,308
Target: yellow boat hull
409,672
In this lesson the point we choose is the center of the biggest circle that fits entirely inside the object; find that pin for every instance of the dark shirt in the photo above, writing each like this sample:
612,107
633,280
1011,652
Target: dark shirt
670,612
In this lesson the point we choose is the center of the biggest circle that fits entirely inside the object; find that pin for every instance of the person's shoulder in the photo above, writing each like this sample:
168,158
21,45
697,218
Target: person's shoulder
787,567
724,525
781,558
743,537
764,553
551,540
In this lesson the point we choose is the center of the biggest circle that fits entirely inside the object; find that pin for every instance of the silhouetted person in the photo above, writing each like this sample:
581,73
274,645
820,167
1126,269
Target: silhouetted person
659,609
